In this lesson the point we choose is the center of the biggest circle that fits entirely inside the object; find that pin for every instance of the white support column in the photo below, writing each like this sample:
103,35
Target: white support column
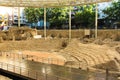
7,21
96,20
18,16
70,23
45,22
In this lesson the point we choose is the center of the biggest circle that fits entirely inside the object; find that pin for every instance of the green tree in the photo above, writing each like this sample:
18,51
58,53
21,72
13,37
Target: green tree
57,16
112,13
85,16
33,14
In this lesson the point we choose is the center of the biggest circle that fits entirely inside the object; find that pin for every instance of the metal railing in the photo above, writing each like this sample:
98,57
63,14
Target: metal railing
29,72
20,57
17,56
41,75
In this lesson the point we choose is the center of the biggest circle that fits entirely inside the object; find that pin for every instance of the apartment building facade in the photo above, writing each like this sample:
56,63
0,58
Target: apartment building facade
15,13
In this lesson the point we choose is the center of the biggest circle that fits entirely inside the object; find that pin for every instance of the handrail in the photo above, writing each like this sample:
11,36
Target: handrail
43,60
38,75
34,58
28,72
22,57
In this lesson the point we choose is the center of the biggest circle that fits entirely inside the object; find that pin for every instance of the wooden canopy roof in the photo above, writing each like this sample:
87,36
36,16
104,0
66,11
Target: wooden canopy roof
47,3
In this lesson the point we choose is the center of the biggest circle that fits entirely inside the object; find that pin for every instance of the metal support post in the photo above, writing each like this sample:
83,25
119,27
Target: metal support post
96,20
19,17
45,23
69,23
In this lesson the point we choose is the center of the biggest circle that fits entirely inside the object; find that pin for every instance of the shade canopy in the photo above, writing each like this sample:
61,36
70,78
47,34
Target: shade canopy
47,3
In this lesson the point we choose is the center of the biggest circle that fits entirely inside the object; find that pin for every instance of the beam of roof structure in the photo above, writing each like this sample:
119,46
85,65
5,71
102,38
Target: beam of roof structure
47,3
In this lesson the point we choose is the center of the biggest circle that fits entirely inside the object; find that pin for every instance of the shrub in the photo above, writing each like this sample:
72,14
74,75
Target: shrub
60,36
64,44
117,38
53,35
1,39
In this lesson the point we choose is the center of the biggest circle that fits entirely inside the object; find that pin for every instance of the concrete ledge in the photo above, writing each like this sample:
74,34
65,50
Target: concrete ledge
37,36
13,75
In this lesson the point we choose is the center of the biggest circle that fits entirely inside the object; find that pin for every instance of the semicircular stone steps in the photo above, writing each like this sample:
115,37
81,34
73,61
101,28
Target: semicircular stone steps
93,54
99,58
90,58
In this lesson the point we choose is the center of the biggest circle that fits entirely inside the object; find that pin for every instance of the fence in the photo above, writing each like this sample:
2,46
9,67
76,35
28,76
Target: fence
30,73
20,56
44,75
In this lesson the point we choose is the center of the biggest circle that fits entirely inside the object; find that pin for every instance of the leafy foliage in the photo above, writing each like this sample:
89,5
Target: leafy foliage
54,15
57,16
112,12
85,16
33,14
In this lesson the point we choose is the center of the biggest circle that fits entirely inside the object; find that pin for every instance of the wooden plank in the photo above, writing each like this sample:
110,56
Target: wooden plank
47,3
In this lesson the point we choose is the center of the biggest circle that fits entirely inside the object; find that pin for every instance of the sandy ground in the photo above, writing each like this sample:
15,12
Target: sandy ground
45,57
92,53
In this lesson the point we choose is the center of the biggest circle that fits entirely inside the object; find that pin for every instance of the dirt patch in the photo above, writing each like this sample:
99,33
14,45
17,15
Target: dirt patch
109,65
34,44
15,33
45,57
118,49
93,52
